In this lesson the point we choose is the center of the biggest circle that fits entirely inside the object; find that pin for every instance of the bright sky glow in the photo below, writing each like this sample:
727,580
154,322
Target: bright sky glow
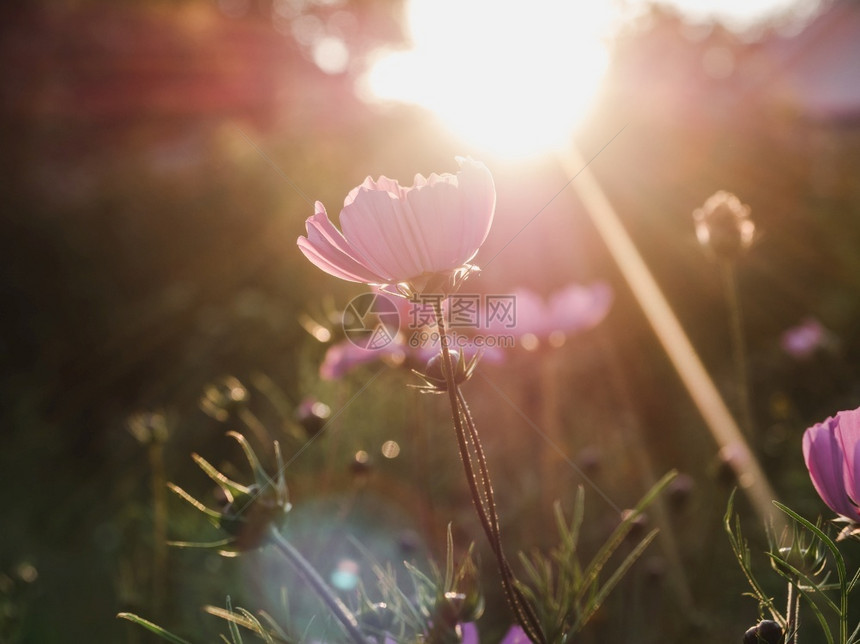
516,78
741,14
511,77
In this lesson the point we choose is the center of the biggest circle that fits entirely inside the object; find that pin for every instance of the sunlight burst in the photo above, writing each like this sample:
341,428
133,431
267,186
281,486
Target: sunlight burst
510,78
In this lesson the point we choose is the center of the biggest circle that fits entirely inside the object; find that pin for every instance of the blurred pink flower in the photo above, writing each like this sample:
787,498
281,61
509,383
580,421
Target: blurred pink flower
343,357
832,453
515,635
572,309
803,340
393,234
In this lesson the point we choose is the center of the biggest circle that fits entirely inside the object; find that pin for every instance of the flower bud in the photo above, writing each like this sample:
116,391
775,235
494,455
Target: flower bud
224,398
248,512
434,373
248,516
638,524
148,427
765,632
723,225
679,491
312,416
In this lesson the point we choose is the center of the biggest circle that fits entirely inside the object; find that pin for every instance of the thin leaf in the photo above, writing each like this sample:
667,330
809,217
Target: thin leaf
818,615
259,473
233,618
593,570
797,574
153,628
232,487
204,545
741,553
613,580
213,516
827,541
449,562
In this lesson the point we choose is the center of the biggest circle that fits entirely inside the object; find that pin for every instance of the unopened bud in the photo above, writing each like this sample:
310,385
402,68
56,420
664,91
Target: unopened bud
765,632
723,225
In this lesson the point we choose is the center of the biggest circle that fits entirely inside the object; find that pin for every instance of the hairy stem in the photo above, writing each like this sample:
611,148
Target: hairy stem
481,488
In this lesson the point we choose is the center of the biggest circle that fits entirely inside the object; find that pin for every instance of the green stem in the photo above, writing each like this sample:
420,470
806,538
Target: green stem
843,613
312,577
159,525
482,496
791,614
739,349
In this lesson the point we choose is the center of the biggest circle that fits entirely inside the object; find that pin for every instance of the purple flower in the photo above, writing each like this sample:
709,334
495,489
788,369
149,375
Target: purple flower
574,308
803,340
832,453
515,635
343,357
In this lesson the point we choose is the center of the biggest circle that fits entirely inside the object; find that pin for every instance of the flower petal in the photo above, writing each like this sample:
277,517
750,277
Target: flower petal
848,434
576,307
515,635
479,203
393,234
825,462
372,222
327,249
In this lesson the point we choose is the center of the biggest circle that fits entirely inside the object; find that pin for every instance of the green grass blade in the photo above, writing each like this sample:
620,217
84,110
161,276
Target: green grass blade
153,628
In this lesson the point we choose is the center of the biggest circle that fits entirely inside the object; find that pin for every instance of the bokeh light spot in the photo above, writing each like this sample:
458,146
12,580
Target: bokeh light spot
390,449
345,575
529,341
331,55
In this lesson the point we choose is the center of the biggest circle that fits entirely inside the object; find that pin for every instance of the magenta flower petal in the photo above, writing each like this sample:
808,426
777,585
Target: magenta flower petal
515,635
826,463
848,434
469,632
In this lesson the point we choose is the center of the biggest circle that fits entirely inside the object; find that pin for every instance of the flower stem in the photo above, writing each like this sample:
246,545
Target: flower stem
481,487
159,525
312,577
791,617
742,381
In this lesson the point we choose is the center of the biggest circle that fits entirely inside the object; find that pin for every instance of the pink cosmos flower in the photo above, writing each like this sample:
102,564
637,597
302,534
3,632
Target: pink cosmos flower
832,453
343,357
574,308
394,235
803,340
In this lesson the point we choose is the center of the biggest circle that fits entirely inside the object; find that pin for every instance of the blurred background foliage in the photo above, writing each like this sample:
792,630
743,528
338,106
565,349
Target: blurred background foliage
158,162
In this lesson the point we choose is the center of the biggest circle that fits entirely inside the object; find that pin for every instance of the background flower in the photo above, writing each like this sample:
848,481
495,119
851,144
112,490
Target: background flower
570,310
803,340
